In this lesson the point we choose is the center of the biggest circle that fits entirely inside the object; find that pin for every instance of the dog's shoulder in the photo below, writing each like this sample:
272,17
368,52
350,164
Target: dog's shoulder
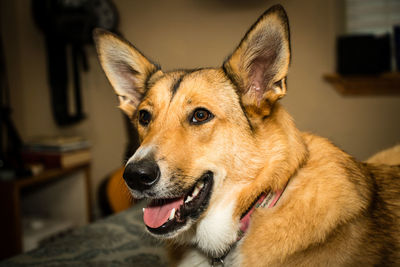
387,180
323,154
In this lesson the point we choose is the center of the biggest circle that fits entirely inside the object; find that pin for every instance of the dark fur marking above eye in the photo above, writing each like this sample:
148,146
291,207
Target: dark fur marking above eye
176,85
178,81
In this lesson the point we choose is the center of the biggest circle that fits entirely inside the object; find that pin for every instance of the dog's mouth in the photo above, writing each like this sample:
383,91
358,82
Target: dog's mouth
163,216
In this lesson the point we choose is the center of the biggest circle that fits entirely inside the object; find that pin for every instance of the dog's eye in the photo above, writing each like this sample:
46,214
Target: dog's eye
201,115
144,117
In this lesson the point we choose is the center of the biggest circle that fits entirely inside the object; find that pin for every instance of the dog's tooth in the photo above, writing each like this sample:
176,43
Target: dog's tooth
172,214
196,191
200,185
143,210
188,199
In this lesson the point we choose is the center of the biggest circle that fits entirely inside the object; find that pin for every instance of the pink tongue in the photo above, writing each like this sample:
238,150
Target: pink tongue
155,216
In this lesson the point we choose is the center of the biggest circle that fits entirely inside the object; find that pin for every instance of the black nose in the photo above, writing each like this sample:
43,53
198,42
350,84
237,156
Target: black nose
141,175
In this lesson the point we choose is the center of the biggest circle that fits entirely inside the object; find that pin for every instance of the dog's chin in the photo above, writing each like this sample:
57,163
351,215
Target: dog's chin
168,218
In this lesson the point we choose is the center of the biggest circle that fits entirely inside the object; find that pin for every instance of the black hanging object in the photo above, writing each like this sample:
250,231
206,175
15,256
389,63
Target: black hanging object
11,163
68,25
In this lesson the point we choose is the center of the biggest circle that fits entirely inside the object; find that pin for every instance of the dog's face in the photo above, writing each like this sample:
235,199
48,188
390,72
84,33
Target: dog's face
199,130
181,121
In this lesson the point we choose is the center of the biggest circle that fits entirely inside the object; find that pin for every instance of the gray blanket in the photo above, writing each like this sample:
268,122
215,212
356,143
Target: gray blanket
119,240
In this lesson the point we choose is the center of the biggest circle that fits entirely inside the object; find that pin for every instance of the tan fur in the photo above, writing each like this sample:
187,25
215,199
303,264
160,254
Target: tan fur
334,211
390,156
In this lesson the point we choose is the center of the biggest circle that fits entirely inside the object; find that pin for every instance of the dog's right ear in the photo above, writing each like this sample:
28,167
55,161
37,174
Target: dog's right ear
126,68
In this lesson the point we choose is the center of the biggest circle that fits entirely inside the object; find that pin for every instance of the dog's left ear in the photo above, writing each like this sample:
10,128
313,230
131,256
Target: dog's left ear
259,65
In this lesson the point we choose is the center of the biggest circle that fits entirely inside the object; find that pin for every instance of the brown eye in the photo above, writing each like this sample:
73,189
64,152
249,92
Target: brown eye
201,115
144,117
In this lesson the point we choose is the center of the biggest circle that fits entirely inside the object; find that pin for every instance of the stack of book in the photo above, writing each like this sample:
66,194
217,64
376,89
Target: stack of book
57,152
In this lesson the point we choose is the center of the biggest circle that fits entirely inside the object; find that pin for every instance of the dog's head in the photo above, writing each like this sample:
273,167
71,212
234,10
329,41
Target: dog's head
200,130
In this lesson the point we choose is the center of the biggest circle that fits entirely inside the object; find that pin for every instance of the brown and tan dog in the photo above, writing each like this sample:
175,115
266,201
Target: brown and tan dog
228,175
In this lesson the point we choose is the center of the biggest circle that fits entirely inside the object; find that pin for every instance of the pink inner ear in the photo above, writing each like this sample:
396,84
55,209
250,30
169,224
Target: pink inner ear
262,69
258,78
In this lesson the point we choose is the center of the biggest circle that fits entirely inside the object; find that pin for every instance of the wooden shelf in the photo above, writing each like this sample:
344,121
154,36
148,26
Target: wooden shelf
384,84
48,175
10,204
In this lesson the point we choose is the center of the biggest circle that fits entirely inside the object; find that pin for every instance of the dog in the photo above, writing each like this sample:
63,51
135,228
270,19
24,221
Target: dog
229,178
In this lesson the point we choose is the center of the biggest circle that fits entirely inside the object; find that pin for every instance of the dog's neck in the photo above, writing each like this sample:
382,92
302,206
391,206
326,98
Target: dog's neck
265,200
281,152
268,200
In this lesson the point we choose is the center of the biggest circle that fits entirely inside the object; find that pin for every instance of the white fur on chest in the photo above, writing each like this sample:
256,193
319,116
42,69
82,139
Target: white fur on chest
217,231
193,257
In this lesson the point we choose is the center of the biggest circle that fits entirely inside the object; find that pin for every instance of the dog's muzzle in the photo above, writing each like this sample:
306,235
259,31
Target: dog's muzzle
142,175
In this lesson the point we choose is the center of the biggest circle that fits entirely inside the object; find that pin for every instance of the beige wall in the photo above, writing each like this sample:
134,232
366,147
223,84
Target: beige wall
202,33
190,33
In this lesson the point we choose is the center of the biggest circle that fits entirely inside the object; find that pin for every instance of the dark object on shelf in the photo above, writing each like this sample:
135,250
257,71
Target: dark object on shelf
397,46
68,25
363,54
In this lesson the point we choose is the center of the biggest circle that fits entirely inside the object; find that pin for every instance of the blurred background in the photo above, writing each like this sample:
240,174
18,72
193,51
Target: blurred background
190,34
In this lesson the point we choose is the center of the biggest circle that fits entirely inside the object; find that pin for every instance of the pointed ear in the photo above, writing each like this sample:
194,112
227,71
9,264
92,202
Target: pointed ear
126,68
260,63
